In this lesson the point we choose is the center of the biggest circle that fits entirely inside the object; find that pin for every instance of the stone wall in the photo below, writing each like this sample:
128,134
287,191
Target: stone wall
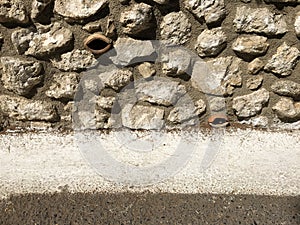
251,50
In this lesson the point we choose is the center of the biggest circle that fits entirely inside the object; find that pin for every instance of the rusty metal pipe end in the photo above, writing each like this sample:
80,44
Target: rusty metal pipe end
97,43
218,120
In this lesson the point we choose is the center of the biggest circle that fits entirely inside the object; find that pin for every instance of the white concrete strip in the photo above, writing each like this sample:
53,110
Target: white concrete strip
247,162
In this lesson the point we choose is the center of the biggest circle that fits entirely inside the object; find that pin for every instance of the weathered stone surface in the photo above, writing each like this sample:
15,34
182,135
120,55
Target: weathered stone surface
38,7
259,20
260,121
251,45
105,102
255,66
92,27
297,24
287,110
21,108
78,9
146,69
130,51
64,85
67,112
161,92
287,88
20,76
175,28
211,42
254,82
117,78
212,11
219,76
136,19
284,61
142,117
162,2
186,110
75,60
251,104
282,1
13,11
176,62
45,41
217,104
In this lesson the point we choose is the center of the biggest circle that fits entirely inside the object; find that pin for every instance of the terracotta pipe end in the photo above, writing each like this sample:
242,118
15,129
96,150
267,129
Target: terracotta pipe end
97,43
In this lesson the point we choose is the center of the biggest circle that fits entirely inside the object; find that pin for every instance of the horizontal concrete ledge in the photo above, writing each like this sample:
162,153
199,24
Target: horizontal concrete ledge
239,162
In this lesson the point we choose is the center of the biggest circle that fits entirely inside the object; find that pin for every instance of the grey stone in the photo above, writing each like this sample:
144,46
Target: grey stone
217,104
146,69
219,76
254,82
78,10
284,61
287,110
129,51
13,11
251,104
63,85
38,7
142,117
117,78
212,11
20,108
136,19
260,121
92,27
259,20
211,42
251,45
175,28
75,60
297,24
20,76
286,88
255,66
160,91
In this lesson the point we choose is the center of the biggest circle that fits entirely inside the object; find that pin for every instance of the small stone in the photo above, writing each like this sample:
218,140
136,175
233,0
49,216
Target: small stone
63,86
286,88
78,10
136,19
129,51
105,102
255,66
259,20
175,28
161,2
176,62
76,60
211,42
142,117
254,82
217,104
111,30
297,24
212,11
160,91
38,7
92,27
21,39
21,108
68,110
287,110
219,76
124,2
260,121
146,69
13,11
101,119
117,78
20,76
251,45
251,104
284,61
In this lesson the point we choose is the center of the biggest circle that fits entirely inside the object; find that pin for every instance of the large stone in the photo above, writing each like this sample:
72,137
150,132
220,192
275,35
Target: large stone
75,60
219,76
129,51
38,8
287,110
297,24
78,10
251,45
20,108
160,91
259,20
63,86
175,28
211,42
45,41
142,117
116,78
212,11
20,76
136,19
287,88
251,104
13,11
284,61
